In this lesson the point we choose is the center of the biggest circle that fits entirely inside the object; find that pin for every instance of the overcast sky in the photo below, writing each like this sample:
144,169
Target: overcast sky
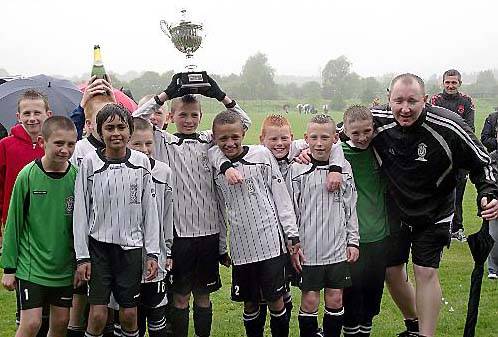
299,37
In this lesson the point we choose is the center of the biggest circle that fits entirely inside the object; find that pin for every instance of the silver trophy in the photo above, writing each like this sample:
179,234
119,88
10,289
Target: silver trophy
187,38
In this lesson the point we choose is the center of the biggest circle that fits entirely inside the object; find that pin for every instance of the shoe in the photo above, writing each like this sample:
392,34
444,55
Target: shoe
492,276
459,235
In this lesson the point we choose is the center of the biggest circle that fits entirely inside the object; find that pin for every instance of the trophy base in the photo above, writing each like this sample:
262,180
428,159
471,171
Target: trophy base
194,80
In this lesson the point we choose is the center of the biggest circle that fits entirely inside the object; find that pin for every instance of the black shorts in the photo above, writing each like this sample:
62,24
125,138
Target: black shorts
332,276
265,279
362,300
114,269
153,294
195,267
426,243
31,295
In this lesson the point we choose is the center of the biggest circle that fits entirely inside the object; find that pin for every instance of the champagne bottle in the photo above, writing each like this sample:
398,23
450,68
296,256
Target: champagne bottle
98,67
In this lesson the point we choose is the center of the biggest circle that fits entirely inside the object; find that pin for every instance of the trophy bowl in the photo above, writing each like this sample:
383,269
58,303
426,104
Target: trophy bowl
187,37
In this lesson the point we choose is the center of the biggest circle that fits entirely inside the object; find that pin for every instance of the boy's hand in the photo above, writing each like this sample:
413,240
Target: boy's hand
225,260
84,271
304,157
297,258
352,254
96,87
489,209
214,91
334,180
169,264
174,89
9,281
151,266
233,176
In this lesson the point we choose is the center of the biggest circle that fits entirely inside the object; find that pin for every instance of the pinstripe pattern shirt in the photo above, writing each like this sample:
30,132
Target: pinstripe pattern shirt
327,221
196,210
259,210
115,203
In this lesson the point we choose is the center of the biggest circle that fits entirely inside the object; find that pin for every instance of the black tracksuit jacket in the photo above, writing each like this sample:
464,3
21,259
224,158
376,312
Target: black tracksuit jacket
421,162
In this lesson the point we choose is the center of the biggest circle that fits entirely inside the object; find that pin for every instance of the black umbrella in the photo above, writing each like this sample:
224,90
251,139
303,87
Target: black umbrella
63,96
480,245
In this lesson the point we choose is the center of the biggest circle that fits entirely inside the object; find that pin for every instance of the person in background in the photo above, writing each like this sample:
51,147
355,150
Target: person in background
454,100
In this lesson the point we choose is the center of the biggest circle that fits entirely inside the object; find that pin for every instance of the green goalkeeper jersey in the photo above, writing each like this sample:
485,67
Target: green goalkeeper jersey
371,187
38,240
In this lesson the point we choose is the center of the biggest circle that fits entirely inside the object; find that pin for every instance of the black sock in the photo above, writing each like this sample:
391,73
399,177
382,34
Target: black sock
75,331
44,325
332,322
411,324
109,330
142,314
308,323
167,314
156,322
125,333
279,323
87,334
288,305
252,324
203,318
179,321
365,329
351,331
263,310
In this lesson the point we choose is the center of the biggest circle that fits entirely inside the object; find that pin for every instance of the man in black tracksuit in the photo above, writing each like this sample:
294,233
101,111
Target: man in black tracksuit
420,148
461,104
489,131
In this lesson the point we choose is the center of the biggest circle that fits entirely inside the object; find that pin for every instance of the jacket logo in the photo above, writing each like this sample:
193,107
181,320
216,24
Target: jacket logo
422,152
461,109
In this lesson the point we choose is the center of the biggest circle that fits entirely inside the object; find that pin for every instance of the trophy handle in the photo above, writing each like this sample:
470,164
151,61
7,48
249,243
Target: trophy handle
165,28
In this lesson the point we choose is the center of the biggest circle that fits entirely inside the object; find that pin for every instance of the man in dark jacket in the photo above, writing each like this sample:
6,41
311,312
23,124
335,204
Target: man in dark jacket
454,100
489,131
421,148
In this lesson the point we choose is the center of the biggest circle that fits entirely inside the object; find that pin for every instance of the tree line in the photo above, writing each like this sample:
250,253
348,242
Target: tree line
338,83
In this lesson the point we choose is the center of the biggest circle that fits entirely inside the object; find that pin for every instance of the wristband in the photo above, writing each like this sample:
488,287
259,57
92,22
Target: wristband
225,166
294,240
230,105
335,168
158,101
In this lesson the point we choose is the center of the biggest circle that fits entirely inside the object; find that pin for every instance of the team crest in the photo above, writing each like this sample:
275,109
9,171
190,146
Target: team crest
461,109
205,162
134,200
250,186
422,152
69,205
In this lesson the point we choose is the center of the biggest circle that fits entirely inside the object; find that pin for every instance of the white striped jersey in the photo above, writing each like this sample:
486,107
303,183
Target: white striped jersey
336,156
196,211
83,147
161,177
327,220
259,210
115,202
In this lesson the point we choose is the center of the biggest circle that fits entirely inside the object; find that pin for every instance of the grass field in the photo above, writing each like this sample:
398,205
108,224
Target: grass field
456,265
